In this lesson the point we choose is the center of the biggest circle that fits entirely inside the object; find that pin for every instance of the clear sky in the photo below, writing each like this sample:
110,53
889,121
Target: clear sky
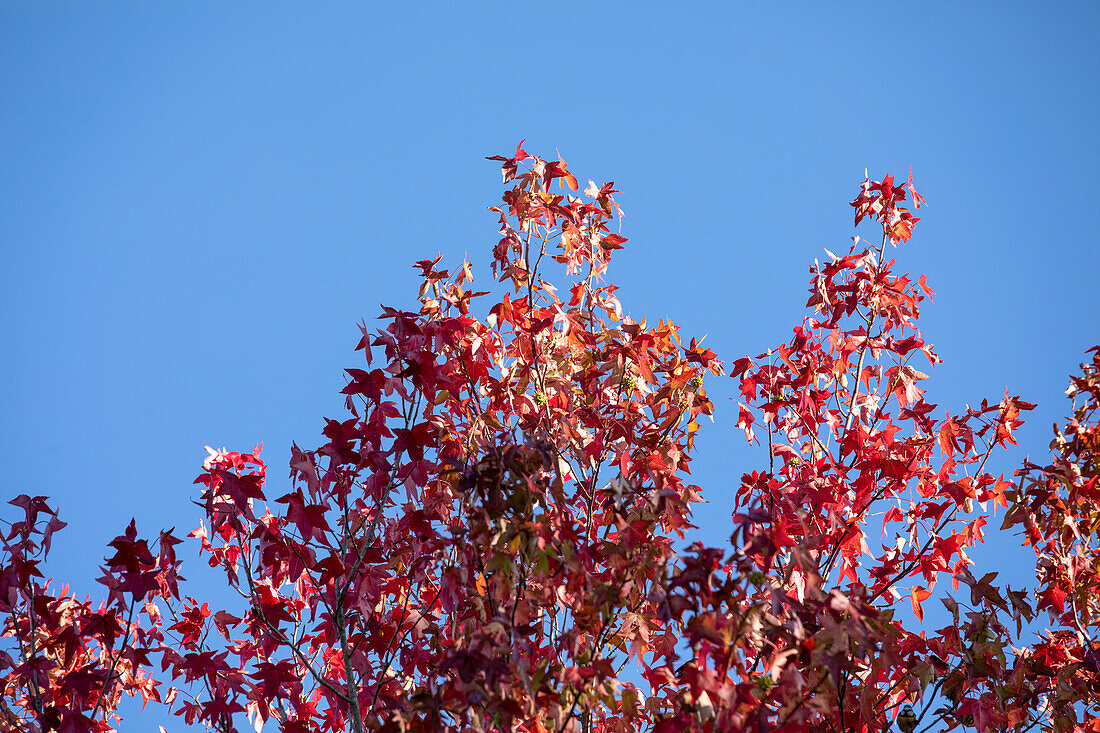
198,202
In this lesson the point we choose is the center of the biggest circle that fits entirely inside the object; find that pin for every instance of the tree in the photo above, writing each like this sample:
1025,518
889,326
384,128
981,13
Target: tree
492,537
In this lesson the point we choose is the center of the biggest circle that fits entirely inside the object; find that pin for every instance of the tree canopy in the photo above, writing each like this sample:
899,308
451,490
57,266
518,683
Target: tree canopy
497,535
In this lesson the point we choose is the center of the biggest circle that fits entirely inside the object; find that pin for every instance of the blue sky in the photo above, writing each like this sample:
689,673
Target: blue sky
199,201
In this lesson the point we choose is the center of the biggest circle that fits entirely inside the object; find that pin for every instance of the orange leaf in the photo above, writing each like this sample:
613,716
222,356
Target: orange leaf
918,595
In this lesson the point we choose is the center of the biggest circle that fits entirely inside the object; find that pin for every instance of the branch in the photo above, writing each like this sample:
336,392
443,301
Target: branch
802,702
933,534
280,637
392,655
28,654
115,658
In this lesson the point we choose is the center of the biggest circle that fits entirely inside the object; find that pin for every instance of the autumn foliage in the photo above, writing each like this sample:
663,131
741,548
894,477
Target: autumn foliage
494,537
